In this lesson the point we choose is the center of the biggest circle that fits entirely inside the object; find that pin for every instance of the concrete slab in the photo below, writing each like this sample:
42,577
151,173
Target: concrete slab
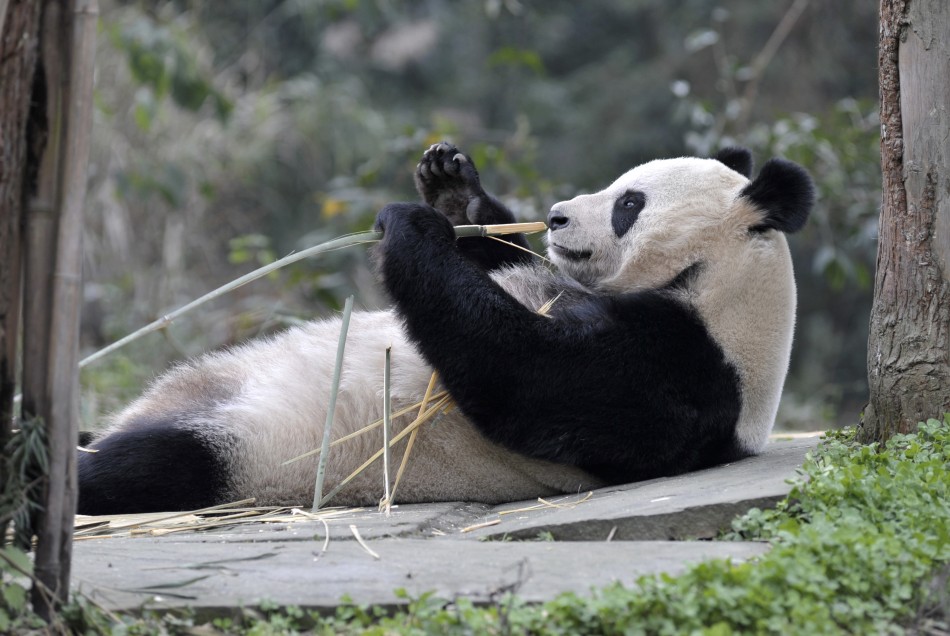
165,572
692,506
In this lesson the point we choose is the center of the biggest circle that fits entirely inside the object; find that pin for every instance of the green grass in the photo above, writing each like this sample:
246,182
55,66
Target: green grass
860,546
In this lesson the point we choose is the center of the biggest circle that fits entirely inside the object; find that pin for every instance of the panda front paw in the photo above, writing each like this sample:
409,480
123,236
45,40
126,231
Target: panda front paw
408,221
447,180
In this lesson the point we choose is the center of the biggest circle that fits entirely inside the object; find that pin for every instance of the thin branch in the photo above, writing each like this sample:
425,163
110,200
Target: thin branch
762,60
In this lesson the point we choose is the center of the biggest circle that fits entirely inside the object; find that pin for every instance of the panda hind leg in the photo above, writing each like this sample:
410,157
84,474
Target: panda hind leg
153,465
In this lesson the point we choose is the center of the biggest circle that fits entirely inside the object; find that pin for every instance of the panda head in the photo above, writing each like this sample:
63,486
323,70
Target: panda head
671,216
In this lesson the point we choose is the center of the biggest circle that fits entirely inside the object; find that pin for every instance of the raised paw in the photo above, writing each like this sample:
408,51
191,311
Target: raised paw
448,181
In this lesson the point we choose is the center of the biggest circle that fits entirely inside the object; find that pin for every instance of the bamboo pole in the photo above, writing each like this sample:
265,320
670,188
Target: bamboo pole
54,536
40,245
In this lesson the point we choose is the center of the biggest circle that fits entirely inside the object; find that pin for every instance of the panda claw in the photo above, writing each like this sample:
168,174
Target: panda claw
460,158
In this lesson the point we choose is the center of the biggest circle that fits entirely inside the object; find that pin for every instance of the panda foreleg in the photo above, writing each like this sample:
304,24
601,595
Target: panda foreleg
447,180
626,387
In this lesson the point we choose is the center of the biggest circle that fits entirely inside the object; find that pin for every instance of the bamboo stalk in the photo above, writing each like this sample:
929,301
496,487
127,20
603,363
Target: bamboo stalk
387,428
37,312
334,390
344,241
54,538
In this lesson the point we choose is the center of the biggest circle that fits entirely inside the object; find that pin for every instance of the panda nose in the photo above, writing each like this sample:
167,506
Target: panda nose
556,220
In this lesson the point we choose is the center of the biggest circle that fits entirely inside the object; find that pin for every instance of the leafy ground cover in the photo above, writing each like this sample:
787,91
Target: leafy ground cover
861,545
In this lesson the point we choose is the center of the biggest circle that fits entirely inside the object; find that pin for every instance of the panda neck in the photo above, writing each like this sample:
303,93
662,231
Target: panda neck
748,306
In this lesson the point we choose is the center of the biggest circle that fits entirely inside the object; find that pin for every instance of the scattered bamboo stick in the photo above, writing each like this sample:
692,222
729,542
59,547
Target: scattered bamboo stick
544,504
478,526
359,539
334,390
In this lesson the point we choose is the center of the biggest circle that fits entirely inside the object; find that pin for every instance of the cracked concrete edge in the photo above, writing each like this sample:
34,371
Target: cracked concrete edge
702,522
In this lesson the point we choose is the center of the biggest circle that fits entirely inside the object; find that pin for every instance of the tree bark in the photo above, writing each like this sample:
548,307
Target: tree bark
909,342
19,26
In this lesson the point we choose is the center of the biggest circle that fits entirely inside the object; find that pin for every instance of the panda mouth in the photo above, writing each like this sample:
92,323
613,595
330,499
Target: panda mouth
571,255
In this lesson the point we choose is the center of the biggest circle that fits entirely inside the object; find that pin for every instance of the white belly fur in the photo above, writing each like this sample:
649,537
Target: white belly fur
273,396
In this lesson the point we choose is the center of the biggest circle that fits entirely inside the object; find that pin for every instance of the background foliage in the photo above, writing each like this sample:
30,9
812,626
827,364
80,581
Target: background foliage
229,134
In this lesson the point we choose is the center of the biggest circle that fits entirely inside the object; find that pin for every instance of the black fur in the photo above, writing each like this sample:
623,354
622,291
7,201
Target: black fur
447,180
785,194
154,465
626,211
736,158
627,387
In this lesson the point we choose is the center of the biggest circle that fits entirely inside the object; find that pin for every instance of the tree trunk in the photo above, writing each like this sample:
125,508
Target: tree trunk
19,26
909,343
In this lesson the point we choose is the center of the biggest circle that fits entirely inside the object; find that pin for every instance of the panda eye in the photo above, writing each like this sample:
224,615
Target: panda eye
631,201
627,208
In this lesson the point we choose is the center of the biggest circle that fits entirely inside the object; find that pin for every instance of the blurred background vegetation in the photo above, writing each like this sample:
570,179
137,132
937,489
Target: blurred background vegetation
229,134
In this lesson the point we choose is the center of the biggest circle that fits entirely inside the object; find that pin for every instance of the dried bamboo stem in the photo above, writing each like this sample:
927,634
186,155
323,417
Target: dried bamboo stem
415,432
362,431
334,390
419,421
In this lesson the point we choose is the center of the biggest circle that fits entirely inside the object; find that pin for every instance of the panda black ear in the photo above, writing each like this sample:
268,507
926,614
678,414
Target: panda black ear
784,193
736,158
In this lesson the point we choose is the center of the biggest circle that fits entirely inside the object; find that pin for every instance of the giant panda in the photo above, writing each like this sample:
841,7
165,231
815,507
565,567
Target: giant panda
662,348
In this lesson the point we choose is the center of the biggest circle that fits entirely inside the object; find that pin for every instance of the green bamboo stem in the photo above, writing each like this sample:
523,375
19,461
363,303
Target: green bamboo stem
347,240
387,423
334,390
167,319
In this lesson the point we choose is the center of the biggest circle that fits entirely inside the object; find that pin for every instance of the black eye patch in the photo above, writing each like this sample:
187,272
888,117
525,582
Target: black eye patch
627,208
